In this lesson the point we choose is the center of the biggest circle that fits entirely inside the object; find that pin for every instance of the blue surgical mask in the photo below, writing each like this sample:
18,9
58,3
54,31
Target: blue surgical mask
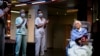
40,15
23,14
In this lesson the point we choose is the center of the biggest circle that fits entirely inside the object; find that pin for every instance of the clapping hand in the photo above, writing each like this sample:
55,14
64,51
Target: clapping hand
47,21
84,40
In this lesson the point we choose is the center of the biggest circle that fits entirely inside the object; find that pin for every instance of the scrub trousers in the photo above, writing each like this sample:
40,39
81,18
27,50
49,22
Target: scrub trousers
2,40
21,40
39,44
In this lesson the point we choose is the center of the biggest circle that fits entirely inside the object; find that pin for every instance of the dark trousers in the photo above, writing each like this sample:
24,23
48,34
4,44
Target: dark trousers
96,45
2,40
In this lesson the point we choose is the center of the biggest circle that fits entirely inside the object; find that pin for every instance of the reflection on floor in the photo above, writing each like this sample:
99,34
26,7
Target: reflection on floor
10,47
55,52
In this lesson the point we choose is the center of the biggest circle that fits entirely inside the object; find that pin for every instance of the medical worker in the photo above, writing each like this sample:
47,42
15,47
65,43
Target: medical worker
21,33
4,8
40,24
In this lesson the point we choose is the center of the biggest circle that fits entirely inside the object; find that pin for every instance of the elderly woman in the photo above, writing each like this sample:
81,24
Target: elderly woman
77,32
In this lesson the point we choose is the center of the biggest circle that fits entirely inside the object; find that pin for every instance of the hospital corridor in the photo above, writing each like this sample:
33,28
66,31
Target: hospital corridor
51,28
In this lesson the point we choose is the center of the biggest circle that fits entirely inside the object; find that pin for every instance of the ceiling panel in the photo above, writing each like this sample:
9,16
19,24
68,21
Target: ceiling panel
61,8
55,8
18,8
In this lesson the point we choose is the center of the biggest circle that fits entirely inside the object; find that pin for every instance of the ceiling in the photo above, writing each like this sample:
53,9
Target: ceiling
25,1
58,5
60,8
21,7
54,8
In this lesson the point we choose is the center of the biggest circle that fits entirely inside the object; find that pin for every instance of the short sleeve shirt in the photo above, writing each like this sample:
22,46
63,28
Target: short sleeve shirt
21,30
39,21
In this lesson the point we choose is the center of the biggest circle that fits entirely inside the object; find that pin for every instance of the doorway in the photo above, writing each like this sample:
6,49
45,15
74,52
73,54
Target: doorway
60,33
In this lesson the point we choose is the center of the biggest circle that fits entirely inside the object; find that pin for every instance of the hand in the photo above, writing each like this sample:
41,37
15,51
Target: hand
6,10
85,42
83,39
47,21
40,25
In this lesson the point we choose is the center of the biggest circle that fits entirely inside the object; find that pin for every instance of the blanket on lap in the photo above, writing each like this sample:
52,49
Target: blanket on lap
77,50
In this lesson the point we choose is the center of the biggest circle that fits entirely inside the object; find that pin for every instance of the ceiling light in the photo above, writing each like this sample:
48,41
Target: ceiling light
15,11
53,0
20,5
72,10
38,2
97,19
14,2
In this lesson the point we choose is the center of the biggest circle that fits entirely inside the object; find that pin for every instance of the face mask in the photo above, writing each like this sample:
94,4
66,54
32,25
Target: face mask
23,14
40,15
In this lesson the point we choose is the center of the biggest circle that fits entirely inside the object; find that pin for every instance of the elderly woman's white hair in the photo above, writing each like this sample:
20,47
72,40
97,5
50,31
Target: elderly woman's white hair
77,21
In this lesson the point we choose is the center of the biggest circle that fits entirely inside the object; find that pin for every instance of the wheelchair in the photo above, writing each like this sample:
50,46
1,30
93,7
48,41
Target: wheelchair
85,50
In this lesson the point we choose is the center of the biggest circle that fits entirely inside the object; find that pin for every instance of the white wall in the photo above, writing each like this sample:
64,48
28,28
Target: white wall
13,28
33,13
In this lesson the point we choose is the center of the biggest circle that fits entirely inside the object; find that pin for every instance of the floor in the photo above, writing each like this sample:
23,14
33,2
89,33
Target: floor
49,52
10,47
55,52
